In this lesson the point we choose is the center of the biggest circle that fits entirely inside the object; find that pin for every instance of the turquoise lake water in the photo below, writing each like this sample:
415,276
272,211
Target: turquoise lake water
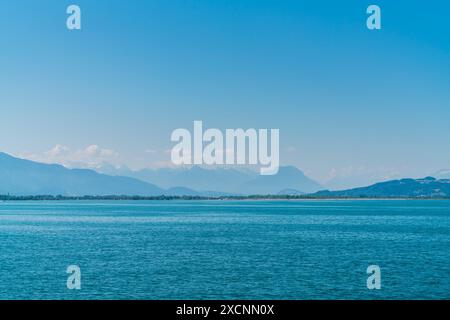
225,249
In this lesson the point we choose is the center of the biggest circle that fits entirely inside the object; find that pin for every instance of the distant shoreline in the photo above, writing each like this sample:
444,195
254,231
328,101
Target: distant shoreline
4,198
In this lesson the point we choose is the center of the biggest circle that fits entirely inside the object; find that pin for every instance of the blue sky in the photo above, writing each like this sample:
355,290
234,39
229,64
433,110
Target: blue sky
347,100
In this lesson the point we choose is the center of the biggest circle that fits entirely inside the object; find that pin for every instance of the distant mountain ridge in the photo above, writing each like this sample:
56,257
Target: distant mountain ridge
24,177
223,180
428,187
442,174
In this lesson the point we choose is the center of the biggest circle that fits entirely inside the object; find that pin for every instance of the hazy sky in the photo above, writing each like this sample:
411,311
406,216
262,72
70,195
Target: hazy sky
348,101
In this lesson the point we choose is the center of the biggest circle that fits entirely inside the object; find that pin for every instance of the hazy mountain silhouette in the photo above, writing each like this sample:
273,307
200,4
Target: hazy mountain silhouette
442,174
218,179
287,178
223,180
24,177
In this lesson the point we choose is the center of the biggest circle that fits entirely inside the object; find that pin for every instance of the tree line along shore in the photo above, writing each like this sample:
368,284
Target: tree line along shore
168,198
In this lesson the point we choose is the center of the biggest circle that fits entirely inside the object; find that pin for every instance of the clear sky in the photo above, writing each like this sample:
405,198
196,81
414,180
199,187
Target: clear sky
347,100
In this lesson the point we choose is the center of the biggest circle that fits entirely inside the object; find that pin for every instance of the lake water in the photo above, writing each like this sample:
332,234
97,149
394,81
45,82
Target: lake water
225,249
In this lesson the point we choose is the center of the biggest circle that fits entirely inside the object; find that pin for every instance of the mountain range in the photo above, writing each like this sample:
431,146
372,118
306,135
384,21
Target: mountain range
25,177
428,187
22,177
222,180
